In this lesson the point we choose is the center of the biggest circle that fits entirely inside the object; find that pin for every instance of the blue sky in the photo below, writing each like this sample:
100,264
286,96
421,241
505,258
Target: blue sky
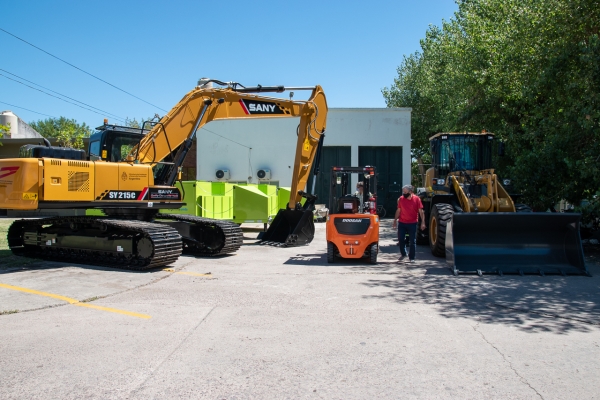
157,50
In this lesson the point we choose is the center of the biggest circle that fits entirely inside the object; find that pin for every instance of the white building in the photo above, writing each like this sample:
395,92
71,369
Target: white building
354,136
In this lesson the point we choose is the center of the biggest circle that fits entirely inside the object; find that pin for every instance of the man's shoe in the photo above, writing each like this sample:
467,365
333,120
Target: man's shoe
401,258
412,261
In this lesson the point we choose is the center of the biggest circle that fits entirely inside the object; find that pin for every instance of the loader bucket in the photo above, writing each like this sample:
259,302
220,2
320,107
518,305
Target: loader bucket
515,243
290,228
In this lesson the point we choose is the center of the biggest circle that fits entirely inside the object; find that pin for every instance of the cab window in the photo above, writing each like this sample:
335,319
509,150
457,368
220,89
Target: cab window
95,150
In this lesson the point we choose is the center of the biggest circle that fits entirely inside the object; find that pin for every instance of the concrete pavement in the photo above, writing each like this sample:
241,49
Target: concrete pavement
282,323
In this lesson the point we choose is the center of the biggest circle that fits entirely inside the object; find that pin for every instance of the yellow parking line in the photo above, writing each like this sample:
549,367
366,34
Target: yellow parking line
31,291
186,272
74,301
114,310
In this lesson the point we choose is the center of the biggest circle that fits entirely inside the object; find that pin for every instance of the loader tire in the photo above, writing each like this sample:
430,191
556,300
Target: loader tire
330,253
440,215
523,208
373,250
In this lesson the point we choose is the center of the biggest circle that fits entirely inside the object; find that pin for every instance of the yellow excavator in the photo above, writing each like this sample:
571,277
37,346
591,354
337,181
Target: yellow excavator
474,222
131,175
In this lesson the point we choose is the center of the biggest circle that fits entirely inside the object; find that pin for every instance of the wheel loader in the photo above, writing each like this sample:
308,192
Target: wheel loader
131,175
477,225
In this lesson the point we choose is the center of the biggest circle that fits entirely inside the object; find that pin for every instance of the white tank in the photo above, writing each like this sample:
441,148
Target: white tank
9,119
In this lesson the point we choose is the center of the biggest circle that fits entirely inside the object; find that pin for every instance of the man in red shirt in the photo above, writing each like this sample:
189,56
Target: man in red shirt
409,209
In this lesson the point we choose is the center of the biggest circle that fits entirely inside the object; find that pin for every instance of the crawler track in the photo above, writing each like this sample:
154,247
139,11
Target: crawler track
208,237
136,245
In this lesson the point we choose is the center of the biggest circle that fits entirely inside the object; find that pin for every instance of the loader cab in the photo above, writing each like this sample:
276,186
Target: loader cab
113,143
454,152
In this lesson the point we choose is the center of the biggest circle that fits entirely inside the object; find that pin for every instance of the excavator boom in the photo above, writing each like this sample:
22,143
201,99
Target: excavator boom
203,105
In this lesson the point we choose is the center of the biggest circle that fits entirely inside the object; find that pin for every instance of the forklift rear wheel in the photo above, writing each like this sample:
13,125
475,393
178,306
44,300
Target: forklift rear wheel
373,250
330,252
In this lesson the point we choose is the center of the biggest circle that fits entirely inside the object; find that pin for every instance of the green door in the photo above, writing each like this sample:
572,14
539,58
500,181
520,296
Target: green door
331,156
388,161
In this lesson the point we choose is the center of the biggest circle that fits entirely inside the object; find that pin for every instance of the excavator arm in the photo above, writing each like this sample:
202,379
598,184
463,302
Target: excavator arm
168,141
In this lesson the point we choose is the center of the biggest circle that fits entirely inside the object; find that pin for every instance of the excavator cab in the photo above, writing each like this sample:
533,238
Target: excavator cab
113,143
352,228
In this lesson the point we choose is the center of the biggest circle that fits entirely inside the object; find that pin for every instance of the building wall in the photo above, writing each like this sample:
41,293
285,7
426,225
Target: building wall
245,146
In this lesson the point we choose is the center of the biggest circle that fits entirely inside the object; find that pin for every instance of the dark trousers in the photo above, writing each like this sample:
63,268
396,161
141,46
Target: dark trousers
411,230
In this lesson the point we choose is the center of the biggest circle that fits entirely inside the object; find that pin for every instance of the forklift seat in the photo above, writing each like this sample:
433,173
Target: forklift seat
348,205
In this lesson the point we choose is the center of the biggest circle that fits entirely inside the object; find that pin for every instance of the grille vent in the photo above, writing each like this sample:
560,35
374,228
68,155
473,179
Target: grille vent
80,164
79,181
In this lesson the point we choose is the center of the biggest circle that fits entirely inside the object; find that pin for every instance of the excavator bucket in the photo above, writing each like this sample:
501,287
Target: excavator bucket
290,228
515,243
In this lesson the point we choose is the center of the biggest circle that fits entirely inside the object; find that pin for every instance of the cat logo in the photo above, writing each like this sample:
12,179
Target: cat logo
124,176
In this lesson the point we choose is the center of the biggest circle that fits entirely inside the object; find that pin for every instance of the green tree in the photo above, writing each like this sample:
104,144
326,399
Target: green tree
51,127
68,132
3,129
70,137
526,70
133,123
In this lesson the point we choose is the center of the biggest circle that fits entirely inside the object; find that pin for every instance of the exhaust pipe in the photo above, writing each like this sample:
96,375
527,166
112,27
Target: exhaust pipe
515,243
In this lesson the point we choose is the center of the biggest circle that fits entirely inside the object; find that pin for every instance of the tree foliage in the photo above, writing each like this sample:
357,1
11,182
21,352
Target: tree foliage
133,123
3,129
68,132
526,70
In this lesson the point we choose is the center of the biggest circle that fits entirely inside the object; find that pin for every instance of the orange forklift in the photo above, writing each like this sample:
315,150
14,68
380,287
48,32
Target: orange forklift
352,224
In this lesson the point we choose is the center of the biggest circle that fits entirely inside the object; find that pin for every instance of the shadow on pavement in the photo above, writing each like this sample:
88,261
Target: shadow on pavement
531,303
